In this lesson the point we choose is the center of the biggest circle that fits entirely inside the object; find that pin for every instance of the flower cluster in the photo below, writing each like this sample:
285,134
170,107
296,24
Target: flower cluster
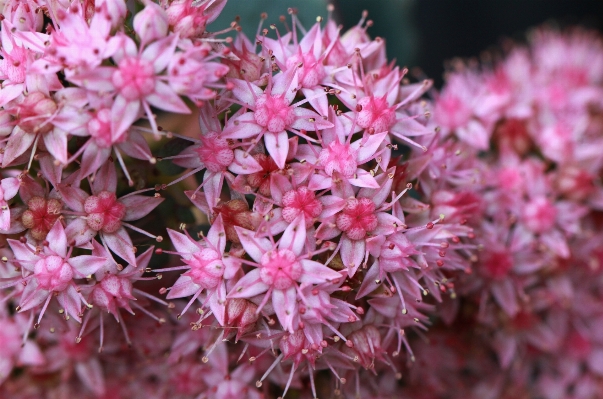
532,296
321,216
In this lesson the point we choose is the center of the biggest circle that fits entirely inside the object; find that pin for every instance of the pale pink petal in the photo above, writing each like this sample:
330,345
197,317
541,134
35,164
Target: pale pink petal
10,92
18,142
216,235
71,302
368,281
387,224
166,99
255,247
242,127
294,237
244,164
120,243
217,302
320,181
249,286
138,206
317,273
23,252
213,187
31,355
366,148
123,114
136,146
309,120
317,99
352,253
279,185
231,266
183,243
183,287
93,158
78,232
285,307
245,91
10,186
364,179
283,82
86,265
57,239
504,294
73,197
105,179
160,52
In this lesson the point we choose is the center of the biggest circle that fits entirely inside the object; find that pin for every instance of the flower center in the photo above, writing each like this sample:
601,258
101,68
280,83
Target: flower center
301,201
206,268
53,273
339,158
539,215
357,218
261,180
497,265
41,215
112,291
280,269
104,212
311,72
215,153
375,114
134,78
273,113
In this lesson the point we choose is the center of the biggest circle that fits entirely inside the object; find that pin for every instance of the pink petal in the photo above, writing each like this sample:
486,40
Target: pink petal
231,266
183,243
160,52
10,92
105,179
73,197
294,237
504,294
366,148
249,286
166,99
123,114
183,287
244,164
120,243
93,158
309,120
242,127
71,302
138,206
23,252
352,253
245,91
10,186
31,355
255,247
216,235
283,82
217,303
317,273
320,181
213,187
79,233
57,239
285,307
86,265
279,185
317,99
368,283
364,179
136,146
18,142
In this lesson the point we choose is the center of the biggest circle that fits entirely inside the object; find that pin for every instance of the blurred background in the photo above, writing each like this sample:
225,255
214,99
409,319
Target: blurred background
427,33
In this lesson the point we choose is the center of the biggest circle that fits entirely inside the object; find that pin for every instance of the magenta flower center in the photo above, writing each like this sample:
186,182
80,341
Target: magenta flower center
215,153
375,114
311,72
41,215
280,269
104,212
497,264
301,201
357,218
340,158
273,113
539,215
53,273
206,268
112,291
134,78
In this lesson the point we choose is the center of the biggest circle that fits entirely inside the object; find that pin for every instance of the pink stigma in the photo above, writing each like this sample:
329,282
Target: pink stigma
206,268
273,113
134,78
301,201
357,218
375,114
53,273
338,158
215,153
104,212
280,269
539,215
